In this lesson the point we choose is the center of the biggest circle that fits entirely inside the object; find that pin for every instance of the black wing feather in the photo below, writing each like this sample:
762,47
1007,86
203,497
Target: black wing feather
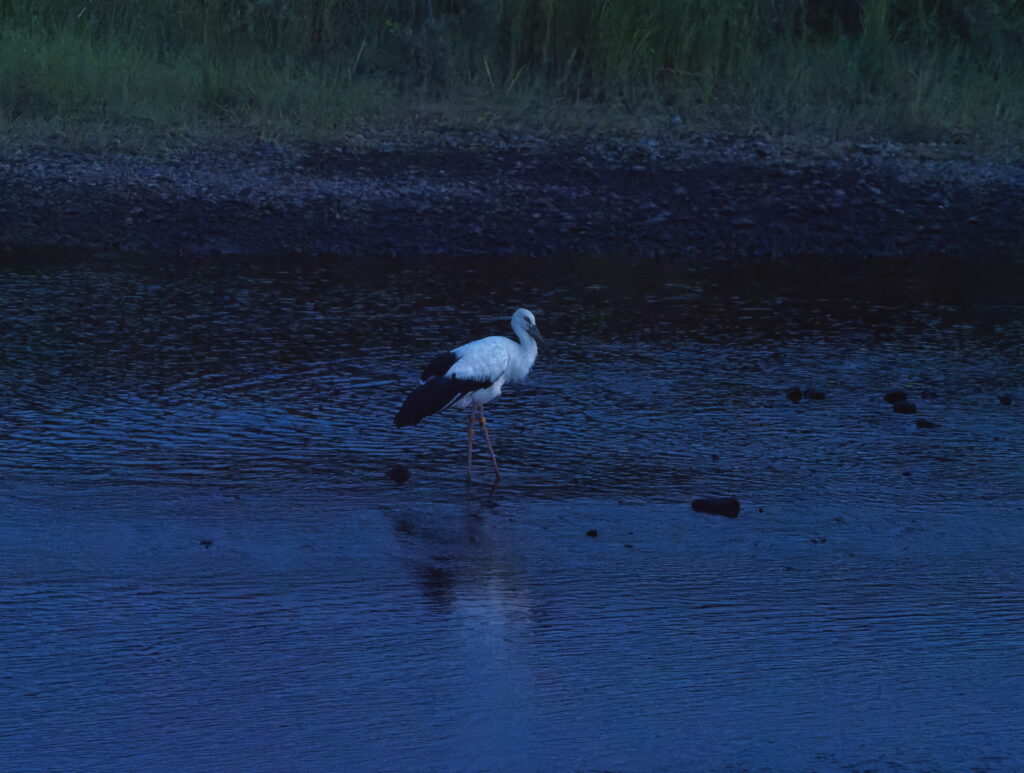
436,391
433,395
439,365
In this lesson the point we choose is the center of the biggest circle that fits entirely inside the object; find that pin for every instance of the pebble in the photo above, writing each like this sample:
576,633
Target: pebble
727,506
904,406
895,396
399,473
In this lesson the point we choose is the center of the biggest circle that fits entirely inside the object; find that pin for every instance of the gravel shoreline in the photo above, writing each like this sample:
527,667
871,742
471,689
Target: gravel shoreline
454,192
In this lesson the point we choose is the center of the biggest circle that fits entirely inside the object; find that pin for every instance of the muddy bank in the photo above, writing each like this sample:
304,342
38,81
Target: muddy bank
445,193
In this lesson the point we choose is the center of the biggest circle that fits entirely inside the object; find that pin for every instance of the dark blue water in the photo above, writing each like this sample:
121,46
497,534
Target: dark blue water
864,612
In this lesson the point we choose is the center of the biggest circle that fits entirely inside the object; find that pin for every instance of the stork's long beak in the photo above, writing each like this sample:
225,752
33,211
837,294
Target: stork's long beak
535,333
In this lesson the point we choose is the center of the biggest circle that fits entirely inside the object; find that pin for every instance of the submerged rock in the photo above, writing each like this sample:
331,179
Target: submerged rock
399,473
904,406
1006,399
727,506
794,394
592,533
895,396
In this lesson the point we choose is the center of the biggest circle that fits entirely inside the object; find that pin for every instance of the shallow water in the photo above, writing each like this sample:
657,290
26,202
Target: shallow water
864,612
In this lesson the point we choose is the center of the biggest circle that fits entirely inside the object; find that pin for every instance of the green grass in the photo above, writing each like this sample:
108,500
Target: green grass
913,69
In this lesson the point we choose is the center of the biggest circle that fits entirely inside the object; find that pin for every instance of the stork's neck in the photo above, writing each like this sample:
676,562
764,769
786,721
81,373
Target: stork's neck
527,343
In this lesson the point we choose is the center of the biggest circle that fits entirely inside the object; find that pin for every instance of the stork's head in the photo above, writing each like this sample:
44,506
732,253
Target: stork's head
523,320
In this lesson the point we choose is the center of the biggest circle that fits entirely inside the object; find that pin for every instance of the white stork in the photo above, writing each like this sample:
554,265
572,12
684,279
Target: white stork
471,375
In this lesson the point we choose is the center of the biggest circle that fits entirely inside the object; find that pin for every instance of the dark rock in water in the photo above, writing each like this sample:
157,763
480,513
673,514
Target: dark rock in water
814,394
206,543
904,406
592,533
399,473
925,424
727,506
1006,399
794,394
895,396
929,394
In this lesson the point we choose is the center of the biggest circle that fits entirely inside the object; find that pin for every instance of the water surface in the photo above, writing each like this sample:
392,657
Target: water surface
864,612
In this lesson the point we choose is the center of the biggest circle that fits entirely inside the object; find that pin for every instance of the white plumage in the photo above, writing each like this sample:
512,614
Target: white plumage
473,374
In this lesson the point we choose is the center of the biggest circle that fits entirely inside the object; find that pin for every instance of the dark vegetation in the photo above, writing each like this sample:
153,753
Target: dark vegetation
912,69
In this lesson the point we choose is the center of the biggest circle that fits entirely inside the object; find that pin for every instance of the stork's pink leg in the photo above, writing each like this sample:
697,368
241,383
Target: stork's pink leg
490,448
469,460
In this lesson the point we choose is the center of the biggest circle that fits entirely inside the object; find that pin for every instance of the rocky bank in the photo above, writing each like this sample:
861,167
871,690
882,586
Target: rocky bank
442,193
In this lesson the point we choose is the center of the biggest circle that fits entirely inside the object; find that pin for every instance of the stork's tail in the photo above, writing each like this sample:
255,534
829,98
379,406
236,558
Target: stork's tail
432,396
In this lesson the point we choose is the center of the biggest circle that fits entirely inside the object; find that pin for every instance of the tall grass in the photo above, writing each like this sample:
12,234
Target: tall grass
928,68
